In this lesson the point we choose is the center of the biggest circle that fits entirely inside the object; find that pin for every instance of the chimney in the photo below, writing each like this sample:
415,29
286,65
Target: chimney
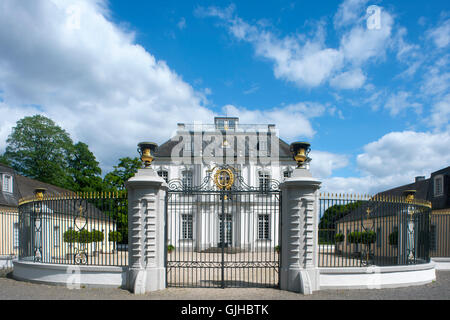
420,178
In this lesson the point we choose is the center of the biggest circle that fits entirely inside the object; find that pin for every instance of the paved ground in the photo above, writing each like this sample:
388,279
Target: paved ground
12,289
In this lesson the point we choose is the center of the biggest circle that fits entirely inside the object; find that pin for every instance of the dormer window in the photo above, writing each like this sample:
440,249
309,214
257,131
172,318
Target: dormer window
226,123
7,183
438,186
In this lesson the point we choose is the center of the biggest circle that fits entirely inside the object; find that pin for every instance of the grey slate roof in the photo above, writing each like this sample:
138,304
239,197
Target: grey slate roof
165,149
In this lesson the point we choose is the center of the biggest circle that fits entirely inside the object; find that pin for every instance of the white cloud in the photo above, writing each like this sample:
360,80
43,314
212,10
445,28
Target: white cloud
292,120
441,34
361,44
306,60
400,101
92,79
440,114
352,79
323,163
394,160
349,12
406,152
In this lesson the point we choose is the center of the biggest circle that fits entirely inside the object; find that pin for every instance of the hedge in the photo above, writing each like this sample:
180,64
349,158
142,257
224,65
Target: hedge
115,236
364,237
339,237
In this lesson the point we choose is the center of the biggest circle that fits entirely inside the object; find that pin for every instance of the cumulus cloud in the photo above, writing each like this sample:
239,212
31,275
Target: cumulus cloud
393,160
66,60
323,163
306,60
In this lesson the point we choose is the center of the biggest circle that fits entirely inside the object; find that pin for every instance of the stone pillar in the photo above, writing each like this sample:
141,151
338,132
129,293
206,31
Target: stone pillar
146,232
299,232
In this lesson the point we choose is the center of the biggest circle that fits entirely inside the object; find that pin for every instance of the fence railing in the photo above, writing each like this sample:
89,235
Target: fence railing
440,234
88,228
362,230
9,232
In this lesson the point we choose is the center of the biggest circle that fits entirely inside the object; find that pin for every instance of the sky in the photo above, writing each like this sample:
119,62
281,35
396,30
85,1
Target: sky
365,82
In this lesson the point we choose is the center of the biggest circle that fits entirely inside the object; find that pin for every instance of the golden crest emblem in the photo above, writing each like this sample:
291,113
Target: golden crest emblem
224,178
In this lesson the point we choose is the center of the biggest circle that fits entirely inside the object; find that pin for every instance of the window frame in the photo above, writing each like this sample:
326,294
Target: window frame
187,226
8,183
166,178
264,227
438,192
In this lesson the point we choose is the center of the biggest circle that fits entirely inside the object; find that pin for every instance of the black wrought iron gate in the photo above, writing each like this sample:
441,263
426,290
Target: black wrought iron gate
223,233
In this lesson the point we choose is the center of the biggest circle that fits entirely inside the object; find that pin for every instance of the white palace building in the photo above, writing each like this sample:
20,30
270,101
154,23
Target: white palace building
248,161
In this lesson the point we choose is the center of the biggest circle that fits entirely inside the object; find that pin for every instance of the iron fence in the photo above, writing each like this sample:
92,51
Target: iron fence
9,233
361,230
440,234
88,228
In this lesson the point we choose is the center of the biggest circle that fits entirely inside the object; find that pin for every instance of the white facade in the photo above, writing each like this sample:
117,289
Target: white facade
251,218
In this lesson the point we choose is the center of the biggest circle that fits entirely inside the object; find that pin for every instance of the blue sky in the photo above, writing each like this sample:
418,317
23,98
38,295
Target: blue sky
373,102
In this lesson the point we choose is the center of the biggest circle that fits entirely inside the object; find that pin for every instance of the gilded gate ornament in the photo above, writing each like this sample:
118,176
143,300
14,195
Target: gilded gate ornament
224,178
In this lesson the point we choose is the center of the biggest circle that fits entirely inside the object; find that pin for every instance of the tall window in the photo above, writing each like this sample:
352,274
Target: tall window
263,227
164,174
264,180
16,235
56,236
186,226
7,185
187,179
263,145
438,186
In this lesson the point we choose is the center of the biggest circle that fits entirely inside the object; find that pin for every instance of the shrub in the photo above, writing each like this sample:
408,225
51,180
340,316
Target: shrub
277,249
170,248
393,238
70,236
339,237
115,236
364,237
84,236
97,236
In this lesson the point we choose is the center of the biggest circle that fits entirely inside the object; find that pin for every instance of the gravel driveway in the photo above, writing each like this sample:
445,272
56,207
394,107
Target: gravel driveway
12,289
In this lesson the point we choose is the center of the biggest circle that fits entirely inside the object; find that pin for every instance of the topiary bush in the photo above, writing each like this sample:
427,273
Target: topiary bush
364,237
97,236
84,236
170,248
339,237
70,236
115,236
393,238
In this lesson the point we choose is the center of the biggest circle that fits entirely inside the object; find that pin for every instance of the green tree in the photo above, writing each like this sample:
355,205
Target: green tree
336,212
127,167
38,148
4,160
84,170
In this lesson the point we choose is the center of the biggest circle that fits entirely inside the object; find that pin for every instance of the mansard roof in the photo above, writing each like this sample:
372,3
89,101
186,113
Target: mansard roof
165,150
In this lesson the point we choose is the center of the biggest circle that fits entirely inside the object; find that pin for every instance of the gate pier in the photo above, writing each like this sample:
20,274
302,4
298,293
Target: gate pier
146,224
299,220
